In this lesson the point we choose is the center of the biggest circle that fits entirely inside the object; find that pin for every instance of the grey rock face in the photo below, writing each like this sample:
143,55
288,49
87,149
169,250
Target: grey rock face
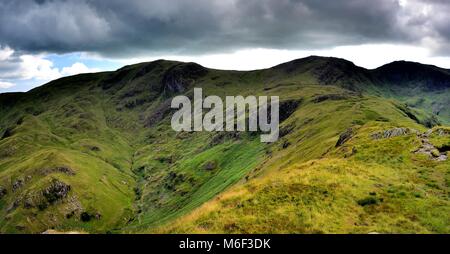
56,191
179,77
392,133
345,136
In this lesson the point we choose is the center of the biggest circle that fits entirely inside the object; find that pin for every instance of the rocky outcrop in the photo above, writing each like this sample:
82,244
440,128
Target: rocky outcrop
427,148
345,136
73,207
438,154
20,182
56,191
179,77
63,169
287,108
395,132
441,131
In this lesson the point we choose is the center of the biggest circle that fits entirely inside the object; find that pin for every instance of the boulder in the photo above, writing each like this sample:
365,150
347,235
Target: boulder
345,136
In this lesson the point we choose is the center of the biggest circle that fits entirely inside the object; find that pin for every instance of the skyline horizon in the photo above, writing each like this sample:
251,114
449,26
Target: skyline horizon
224,69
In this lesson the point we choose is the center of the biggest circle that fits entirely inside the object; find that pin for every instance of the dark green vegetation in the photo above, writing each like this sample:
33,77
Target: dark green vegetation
95,152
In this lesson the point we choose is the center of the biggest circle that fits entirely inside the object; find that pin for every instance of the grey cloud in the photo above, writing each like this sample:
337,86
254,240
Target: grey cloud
50,25
9,68
114,27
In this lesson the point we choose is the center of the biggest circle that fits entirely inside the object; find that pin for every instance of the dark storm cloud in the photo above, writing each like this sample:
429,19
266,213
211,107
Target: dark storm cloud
202,26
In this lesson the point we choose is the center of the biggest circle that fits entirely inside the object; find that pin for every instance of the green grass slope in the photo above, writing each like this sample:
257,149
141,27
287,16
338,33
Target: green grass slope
366,185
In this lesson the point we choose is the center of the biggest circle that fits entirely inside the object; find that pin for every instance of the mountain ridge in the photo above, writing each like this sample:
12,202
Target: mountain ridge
96,153
294,62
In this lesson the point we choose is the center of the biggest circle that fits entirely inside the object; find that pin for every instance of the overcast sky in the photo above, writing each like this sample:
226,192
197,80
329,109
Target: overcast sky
41,40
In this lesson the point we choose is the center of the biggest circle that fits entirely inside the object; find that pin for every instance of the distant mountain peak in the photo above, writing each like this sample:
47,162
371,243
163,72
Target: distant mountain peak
313,59
413,73
407,65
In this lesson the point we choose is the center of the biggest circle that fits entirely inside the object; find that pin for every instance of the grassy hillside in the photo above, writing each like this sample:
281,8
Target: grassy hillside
362,187
96,153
